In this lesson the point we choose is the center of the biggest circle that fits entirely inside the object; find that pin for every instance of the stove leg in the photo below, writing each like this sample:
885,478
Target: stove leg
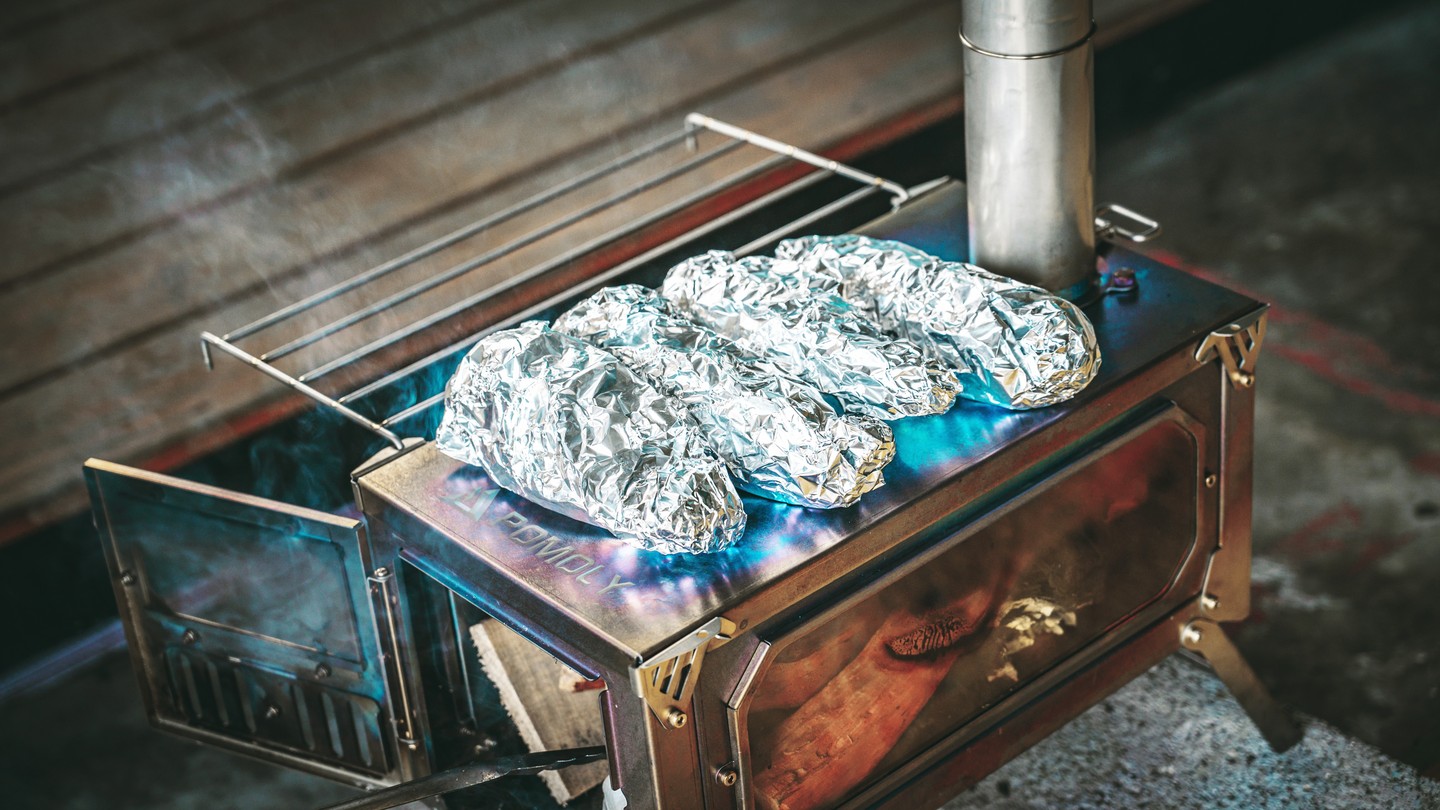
1206,639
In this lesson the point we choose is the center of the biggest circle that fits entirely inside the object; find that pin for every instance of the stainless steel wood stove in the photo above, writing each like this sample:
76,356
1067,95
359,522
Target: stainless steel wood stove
1051,555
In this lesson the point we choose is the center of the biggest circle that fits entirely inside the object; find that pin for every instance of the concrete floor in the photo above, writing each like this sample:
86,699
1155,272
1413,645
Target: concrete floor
1175,739
1313,182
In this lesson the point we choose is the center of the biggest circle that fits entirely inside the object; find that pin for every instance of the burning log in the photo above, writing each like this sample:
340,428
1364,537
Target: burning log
837,737
790,683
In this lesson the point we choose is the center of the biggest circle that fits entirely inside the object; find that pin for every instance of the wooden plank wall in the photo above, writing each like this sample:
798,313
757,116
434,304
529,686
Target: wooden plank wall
171,166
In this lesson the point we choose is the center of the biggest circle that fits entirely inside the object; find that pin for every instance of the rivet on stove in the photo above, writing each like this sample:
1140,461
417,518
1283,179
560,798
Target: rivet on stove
272,711
1190,635
127,578
322,671
189,637
1121,281
1209,601
1211,480
676,718
727,776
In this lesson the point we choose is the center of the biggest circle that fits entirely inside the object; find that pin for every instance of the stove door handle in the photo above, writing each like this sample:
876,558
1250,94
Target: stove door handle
469,775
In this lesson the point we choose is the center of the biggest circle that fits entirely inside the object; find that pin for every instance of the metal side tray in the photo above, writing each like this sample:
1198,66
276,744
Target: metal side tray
249,622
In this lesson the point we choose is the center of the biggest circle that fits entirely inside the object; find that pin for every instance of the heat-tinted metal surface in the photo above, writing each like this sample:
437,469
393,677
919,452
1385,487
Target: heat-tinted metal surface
635,602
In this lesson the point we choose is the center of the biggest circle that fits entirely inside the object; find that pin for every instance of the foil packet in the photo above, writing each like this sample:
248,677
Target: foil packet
773,311
1011,344
779,436
568,426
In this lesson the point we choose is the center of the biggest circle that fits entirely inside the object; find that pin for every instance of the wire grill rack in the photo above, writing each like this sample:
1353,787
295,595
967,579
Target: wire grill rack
320,347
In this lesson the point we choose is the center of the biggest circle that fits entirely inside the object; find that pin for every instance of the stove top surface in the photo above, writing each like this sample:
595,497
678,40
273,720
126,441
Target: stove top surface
640,601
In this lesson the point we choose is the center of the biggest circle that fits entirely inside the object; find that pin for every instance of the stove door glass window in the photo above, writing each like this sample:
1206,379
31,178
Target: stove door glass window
249,621
856,695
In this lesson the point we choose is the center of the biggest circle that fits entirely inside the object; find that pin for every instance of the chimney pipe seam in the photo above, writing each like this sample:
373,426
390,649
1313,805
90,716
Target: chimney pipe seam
1079,43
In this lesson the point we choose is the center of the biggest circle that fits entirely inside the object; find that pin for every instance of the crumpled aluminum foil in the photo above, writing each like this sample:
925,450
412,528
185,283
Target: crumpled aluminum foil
779,436
570,427
1011,344
772,311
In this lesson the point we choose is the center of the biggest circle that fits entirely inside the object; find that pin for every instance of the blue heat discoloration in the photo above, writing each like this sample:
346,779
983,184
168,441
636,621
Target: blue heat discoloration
934,223
637,596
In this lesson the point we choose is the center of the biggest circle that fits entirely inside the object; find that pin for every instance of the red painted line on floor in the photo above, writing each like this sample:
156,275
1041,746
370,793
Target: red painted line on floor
1336,532
1323,364
1314,537
1377,548
1347,360
1427,463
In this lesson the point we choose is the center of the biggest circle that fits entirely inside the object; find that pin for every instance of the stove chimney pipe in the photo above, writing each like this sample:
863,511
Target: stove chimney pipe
1030,140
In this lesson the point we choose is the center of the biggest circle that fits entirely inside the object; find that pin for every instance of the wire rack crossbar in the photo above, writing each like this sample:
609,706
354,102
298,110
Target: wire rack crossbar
490,256
342,403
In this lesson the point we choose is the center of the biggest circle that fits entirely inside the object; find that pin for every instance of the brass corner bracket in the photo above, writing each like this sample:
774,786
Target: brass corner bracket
667,679
1238,347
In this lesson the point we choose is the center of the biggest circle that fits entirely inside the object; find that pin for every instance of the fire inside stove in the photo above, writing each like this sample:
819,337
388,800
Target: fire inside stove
843,697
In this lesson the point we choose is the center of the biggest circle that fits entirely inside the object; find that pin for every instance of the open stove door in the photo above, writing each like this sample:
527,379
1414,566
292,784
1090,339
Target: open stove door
250,622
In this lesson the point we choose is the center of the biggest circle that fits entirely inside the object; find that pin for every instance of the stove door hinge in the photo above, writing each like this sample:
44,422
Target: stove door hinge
667,679
1238,347
382,594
